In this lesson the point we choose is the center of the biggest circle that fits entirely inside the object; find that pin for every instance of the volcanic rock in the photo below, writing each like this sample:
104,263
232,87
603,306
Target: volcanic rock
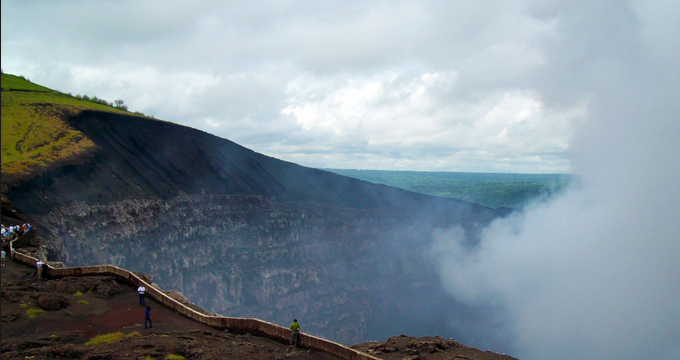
52,302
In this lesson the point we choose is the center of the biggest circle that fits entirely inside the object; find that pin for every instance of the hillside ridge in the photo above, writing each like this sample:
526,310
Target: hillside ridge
35,134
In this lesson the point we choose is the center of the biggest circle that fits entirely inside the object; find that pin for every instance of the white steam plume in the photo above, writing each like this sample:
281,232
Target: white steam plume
595,272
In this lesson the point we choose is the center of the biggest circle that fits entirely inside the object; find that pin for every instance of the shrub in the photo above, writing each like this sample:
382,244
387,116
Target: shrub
174,357
111,337
83,302
78,293
32,313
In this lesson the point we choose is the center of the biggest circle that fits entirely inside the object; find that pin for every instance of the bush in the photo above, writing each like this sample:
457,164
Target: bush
174,357
32,313
119,104
111,337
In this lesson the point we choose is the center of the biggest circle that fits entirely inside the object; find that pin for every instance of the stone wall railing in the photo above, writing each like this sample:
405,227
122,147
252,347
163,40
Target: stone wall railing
253,326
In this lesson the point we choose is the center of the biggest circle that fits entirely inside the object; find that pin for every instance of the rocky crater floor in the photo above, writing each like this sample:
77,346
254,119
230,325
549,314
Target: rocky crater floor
55,319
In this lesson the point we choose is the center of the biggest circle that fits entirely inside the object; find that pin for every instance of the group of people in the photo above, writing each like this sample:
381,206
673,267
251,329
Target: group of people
14,231
10,233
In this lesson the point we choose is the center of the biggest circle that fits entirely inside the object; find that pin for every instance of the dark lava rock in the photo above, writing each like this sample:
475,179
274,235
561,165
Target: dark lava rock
35,242
106,287
146,277
65,351
52,302
70,285
10,317
426,348
102,285
10,296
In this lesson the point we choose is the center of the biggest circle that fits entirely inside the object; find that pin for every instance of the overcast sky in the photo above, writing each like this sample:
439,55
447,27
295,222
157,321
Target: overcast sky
404,85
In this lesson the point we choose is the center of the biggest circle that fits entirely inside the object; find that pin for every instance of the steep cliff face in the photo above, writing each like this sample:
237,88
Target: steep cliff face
351,275
243,234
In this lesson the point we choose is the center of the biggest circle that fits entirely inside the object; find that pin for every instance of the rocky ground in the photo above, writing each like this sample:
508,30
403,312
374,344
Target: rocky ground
53,319
44,319
404,347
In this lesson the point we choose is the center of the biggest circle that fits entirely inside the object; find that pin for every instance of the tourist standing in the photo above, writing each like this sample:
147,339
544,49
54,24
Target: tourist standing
140,290
294,333
39,265
2,256
147,316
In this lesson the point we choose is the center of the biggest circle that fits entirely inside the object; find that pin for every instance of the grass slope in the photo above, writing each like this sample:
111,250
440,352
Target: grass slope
35,135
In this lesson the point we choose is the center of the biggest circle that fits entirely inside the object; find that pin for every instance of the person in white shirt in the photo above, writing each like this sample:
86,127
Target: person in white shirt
39,264
141,289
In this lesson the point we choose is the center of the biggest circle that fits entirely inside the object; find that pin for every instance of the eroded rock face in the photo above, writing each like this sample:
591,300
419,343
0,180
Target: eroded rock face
341,270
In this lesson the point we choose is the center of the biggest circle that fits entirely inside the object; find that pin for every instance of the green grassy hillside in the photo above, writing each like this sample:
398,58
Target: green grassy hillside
12,82
488,189
35,135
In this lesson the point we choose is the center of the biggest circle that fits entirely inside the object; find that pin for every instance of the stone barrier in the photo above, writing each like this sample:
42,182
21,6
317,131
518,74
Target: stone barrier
239,325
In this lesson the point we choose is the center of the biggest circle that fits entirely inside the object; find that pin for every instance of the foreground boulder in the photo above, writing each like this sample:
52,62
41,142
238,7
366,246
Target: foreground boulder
52,302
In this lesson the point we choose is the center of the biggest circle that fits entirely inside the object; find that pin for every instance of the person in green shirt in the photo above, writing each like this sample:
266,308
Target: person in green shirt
294,333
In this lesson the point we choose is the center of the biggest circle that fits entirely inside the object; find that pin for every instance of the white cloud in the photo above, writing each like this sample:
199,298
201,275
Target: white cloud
399,83
412,113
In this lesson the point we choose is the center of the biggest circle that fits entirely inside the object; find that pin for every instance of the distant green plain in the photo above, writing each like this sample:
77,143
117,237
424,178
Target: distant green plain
489,189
